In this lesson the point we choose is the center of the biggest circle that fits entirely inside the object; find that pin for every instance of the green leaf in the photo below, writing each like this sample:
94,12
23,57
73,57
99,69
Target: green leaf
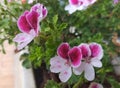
26,63
62,26
113,82
52,84
55,19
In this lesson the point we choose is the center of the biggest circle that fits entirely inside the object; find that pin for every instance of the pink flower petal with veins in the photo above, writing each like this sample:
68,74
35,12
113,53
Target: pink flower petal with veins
74,2
22,23
96,50
57,64
75,56
65,74
85,50
32,19
62,50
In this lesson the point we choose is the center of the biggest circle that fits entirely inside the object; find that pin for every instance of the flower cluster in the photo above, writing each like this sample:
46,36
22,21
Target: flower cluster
28,24
79,58
75,5
76,59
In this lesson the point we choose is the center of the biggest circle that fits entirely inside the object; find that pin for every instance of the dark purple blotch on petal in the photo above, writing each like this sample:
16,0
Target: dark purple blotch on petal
22,23
95,49
62,50
33,20
75,55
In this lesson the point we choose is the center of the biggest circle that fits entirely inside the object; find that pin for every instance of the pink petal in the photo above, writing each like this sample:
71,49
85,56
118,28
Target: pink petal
63,50
89,72
80,69
22,23
74,2
32,19
65,75
96,62
40,9
95,85
96,50
85,50
75,56
57,64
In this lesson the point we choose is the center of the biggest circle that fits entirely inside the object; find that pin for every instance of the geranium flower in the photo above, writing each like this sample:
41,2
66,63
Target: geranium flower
75,5
116,1
95,85
28,24
66,60
92,54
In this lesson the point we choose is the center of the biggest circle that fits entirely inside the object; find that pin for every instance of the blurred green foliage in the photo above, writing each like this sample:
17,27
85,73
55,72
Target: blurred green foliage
95,24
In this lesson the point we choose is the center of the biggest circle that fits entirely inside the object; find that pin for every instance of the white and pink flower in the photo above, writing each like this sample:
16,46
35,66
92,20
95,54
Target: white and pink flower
28,24
75,5
116,1
67,59
92,54
95,85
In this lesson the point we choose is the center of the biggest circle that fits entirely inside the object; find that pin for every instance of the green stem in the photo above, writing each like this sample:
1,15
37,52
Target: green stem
77,85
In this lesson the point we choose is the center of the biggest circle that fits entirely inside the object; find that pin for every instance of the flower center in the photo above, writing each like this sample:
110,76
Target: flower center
87,59
68,63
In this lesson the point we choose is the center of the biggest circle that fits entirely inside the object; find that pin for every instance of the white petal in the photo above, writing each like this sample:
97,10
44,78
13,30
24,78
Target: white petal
89,72
22,45
26,42
80,69
57,60
56,69
57,64
96,63
21,37
71,9
30,1
65,75
32,33
81,8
